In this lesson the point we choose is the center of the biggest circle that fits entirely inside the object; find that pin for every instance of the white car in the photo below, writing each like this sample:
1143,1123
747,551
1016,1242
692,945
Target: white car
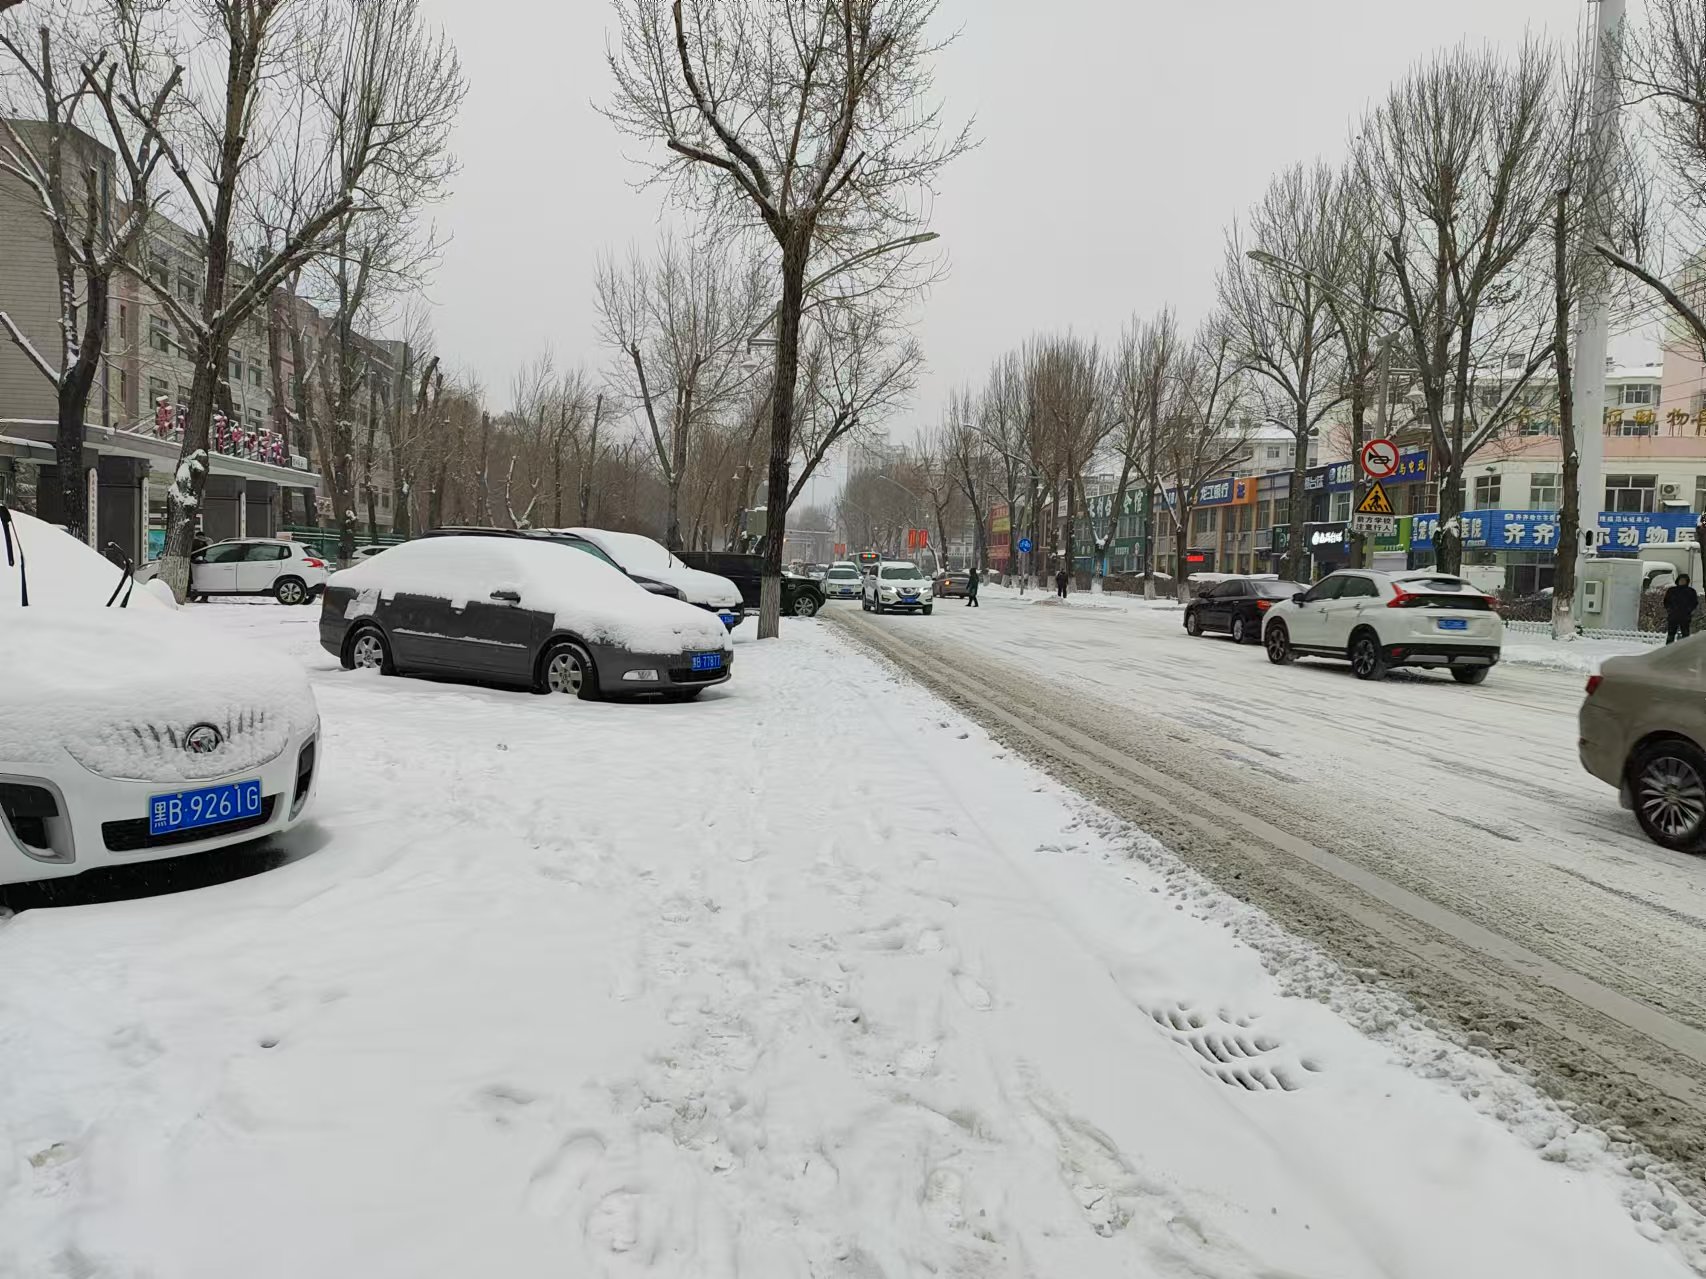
647,561
138,735
288,571
1378,621
896,584
842,582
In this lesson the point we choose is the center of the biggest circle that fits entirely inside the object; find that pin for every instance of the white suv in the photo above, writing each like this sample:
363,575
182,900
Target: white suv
1377,621
288,571
895,584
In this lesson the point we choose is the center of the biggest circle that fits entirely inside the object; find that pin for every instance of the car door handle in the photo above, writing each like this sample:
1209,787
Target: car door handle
507,597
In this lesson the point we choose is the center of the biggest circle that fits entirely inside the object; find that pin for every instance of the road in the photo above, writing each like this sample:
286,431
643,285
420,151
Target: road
1440,838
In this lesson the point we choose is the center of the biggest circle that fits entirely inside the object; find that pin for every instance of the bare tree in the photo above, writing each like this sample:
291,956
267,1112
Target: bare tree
1459,160
973,467
93,221
1280,318
1141,375
302,123
813,117
1204,428
1001,426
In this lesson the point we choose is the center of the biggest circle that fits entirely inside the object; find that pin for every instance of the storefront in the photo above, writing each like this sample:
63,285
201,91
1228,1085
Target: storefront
1525,543
1329,544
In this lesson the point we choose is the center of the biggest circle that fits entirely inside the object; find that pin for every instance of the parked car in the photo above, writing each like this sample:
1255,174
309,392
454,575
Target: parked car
896,584
842,582
801,597
1641,727
524,611
368,552
288,571
134,738
645,560
1236,606
563,537
1378,621
951,584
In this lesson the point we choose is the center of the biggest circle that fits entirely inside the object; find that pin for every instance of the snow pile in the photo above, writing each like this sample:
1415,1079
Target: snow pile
118,689
1534,648
587,596
62,572
641,555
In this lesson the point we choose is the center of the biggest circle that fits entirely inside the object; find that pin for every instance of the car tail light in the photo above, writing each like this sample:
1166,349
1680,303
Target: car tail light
1262,606
1594,681
1402,598
311,562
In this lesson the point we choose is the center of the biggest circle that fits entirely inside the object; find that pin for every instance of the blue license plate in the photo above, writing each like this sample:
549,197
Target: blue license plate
707,661
1453,624
729,620
189,809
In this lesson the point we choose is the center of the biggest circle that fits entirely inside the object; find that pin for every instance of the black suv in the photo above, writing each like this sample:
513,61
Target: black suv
801,596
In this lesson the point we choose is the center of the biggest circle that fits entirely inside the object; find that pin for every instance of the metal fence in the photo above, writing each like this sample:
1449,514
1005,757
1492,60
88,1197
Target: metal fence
1587,632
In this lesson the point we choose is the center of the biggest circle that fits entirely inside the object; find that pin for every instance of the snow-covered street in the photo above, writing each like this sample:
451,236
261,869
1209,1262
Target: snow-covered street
812,977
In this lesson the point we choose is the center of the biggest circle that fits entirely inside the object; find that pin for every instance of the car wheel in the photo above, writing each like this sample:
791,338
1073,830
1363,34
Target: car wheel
1192,625
290,590
1667,780
864,604
1240,631
927,608
805,604
1367,661
566,667
1278,643
1470,674
367,650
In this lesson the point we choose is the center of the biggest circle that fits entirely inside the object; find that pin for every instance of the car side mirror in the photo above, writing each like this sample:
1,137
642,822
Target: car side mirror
507,597
1299,598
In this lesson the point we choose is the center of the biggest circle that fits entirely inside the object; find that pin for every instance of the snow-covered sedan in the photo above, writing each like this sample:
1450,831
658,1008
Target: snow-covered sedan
645,560
896,585
136,734
1378,621
523,611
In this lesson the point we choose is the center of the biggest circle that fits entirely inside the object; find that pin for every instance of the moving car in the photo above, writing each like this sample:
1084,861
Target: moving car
524,611
842,582
801,597
951,583
645,560
896,584
1640,729
288,571
1378,621
138,735
1236,606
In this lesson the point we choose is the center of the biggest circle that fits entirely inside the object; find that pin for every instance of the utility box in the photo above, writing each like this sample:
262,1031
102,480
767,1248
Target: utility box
1608,593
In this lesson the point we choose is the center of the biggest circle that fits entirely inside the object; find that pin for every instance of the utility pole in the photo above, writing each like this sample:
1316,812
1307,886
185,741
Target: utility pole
1593,329
1359,482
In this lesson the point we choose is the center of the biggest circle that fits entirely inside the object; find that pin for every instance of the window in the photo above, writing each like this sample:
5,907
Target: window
1358,588
1339,507
1327,588
1202,525
183,394
1486,492
186,288
1630,492
236,358
385,500
257,326
159,270
123,319
1543,491
157,390
159,339
1489,394
267,551
255,375
224,552
900,573
1273,453
1264,515
123,387
1644,393
1282,512
254,416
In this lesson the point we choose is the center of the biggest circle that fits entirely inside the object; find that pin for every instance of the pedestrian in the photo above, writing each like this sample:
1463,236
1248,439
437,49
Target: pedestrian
971,589
1680,602
1060,583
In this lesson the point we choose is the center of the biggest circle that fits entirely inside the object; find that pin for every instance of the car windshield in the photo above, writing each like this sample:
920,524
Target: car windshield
843,573
901,573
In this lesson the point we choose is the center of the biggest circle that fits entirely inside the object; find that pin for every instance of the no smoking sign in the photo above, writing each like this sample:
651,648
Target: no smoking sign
1380,459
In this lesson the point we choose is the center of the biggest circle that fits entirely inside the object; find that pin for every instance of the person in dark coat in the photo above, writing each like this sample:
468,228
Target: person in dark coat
1060,583
1680,602
971,589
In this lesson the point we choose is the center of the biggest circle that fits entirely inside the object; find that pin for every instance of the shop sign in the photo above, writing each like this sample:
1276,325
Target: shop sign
1341,476
1538,530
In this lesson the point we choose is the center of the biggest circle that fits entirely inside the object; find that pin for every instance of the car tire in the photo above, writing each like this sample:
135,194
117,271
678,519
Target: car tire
1667,784
1277,640
566,667
1240,631
1470,674
864,604
367,649
1193,627
1367,661
805,605
290,590
927,609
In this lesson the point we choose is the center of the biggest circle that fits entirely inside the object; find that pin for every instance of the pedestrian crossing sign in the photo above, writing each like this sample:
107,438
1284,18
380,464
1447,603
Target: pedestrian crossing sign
1375,502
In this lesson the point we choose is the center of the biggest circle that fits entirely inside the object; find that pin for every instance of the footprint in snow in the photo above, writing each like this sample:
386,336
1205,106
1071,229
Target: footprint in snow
557,1179
973,991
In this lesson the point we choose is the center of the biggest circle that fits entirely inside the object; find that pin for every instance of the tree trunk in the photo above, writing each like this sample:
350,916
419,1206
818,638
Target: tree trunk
183,498
1181,547
591,462
1569,512
1296,554
796,247
1067,560
485,483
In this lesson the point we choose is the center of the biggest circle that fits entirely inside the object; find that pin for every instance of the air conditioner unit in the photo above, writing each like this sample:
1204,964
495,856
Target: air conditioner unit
1670,490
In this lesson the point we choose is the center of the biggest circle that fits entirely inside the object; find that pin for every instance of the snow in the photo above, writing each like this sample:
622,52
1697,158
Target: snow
820,983
641,555
587,596
115,687
62,572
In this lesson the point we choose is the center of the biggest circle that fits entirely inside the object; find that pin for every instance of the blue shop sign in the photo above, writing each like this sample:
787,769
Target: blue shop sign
1340,477
1538,530
1214,493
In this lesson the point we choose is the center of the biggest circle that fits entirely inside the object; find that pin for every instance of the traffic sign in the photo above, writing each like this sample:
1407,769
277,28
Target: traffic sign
1375,501
1024,546
1379,525
1380,459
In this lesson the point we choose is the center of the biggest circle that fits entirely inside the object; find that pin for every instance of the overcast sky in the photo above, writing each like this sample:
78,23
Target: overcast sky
1120,137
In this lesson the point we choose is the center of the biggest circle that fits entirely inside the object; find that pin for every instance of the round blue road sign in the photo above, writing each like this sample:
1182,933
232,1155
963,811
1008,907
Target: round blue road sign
1024,546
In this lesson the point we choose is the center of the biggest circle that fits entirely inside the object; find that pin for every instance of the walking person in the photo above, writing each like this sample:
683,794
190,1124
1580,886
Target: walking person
971,589
1060,582
1680,601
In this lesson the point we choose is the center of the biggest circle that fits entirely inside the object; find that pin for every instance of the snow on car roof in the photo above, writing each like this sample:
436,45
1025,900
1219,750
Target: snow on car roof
586,595
62,572
633,551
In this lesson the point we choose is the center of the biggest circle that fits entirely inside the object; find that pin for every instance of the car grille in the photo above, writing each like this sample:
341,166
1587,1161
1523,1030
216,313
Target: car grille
132,834
251,736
